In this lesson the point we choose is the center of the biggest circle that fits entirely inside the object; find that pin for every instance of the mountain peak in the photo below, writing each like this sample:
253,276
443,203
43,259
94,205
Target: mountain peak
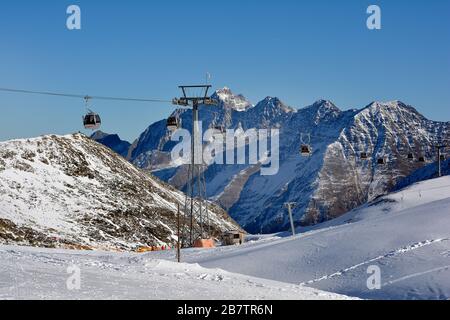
387,104
274,100
112,141
323,104
322,109
224,90
228,100
275,103
390,106
98,135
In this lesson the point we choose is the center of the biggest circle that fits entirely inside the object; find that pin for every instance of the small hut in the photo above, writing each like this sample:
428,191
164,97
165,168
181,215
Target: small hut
231,238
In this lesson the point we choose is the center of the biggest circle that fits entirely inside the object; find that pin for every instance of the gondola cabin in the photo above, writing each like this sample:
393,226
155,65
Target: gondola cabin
279,219
173,124
92,121
305,150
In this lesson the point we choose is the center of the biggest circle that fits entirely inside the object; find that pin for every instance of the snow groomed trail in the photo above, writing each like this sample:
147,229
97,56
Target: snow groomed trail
405,234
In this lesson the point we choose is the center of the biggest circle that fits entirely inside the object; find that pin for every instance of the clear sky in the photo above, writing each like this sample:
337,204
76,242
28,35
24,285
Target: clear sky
299,51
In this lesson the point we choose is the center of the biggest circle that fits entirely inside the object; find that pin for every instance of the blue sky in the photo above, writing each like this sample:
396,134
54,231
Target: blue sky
299,51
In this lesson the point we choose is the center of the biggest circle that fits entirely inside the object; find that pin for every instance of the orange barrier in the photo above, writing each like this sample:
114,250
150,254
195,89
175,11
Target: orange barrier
144,250
151,249
205,243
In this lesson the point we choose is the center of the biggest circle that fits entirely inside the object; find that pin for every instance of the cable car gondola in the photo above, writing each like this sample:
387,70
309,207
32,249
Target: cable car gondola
173,124
305,148
279,219
92,121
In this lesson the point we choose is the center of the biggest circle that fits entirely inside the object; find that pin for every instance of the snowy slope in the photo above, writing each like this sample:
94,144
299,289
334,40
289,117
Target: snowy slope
406,234
42,274
69,191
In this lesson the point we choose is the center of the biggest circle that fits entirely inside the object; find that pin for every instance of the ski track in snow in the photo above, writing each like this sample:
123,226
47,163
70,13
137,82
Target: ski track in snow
418,274
31,273
389,233
388,255
393,253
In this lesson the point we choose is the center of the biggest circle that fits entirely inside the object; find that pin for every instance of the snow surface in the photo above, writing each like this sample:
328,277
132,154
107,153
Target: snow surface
27,273
405,234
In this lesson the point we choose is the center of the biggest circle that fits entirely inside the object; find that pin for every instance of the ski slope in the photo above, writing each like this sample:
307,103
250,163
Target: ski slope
405,234
27,273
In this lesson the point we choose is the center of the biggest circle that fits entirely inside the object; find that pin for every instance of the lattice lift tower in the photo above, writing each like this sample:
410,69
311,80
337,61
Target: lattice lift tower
196,217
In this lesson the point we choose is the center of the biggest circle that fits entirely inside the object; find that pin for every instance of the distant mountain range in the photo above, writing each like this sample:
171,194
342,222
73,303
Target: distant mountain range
113,141
333,180
72,192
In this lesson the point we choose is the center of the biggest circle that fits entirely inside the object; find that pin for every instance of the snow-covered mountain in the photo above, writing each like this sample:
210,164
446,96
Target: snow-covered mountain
334,180
113,142
425,173
229,101
70,191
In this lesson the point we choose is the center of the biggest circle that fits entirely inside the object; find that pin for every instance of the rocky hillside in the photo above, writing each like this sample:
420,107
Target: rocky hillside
70,191
390,131
332,181
426,173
